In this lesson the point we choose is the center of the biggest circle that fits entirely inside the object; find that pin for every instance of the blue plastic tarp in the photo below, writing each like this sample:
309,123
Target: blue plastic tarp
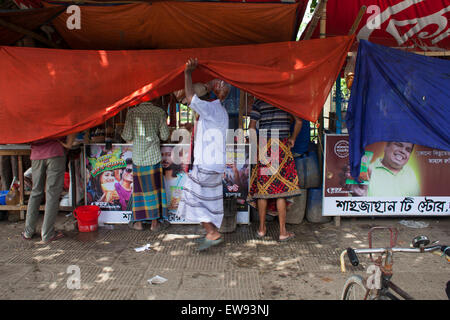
397,96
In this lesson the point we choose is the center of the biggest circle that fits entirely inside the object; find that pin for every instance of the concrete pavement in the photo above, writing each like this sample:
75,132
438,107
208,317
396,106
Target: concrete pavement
242,268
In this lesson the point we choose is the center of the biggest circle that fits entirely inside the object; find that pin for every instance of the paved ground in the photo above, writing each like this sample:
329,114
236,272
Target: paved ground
242,268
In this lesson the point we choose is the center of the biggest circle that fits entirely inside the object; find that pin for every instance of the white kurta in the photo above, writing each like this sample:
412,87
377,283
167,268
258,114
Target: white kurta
202,198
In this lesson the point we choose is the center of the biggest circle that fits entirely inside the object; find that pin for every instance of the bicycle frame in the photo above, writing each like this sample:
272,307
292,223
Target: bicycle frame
386,268
385,250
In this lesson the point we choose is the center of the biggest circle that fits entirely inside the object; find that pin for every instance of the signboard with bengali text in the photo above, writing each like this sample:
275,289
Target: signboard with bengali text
396,179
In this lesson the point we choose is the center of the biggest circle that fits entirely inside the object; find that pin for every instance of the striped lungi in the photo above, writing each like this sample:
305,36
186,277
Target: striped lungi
202,197
149,195
276,179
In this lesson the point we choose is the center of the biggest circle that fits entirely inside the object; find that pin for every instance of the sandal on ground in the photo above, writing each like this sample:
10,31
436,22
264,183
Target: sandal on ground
131,226
24,237
58,235
259,235
206,244
199,240
289,237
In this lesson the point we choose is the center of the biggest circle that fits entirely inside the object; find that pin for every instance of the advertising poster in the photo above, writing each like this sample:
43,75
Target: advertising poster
175,163
109,179
236,179
396,179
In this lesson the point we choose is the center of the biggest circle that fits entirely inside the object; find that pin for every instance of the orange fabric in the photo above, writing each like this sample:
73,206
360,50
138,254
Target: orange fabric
52,92
175,25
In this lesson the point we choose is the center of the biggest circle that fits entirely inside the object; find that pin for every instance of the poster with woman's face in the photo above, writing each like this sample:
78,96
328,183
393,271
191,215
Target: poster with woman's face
109,177
175,164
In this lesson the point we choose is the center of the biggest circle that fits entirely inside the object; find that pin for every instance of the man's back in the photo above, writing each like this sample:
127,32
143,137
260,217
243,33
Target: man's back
210,135
144,127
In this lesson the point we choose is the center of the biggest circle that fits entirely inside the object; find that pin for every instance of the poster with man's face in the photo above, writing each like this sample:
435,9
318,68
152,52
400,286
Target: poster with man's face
396,178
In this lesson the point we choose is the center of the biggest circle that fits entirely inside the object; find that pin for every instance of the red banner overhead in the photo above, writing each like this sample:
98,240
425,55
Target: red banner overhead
51,92
413,24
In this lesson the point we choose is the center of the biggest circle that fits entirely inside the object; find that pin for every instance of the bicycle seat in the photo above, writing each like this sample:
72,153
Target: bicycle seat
420,241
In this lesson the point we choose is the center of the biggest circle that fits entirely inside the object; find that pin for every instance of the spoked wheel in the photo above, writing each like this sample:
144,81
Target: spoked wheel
354,289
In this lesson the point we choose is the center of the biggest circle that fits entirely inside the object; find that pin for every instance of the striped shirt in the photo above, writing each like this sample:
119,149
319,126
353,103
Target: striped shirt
144,126
270,117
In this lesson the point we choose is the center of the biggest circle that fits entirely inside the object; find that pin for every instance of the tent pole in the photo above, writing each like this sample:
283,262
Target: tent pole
338,105
323,25
241,108
357,20
314,20
18,29
323,21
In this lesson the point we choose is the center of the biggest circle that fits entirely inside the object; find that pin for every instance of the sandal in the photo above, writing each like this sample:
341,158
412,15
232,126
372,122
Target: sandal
289,237
58,235
24,237
259,235
199,240
206,244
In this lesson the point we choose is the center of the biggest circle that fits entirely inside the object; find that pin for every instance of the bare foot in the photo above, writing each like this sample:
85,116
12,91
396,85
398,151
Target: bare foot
138,226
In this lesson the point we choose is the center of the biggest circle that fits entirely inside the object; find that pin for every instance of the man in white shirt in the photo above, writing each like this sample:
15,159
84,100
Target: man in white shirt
202,198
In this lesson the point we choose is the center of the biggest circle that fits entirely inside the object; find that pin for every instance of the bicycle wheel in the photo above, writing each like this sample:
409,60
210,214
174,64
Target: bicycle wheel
354,289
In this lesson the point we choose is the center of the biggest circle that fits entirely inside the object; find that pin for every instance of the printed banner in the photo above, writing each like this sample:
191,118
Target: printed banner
396,179
236,179
109,179
415,24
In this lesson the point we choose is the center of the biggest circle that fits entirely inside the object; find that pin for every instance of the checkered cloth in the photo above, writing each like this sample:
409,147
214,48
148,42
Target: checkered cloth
144,126
270,182
149,195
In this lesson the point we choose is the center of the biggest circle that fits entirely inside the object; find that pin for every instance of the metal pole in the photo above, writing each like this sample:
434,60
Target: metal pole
338,105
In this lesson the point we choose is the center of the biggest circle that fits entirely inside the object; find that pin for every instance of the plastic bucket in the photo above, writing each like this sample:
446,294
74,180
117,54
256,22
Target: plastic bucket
87,217
3,197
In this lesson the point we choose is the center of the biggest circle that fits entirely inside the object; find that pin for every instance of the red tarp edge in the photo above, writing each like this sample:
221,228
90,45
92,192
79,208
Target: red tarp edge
52,92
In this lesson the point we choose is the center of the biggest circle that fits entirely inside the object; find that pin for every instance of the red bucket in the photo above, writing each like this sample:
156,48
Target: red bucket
87,217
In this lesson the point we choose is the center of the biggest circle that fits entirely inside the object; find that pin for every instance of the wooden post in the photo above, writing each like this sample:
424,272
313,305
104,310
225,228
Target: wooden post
26,32
357,20
21,186
241,108
318,11
323,27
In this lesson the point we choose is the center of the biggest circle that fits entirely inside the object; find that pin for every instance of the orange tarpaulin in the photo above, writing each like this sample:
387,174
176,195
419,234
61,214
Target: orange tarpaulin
176,25
53,92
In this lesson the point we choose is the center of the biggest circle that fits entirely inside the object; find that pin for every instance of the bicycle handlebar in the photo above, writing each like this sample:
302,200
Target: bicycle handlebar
354,258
